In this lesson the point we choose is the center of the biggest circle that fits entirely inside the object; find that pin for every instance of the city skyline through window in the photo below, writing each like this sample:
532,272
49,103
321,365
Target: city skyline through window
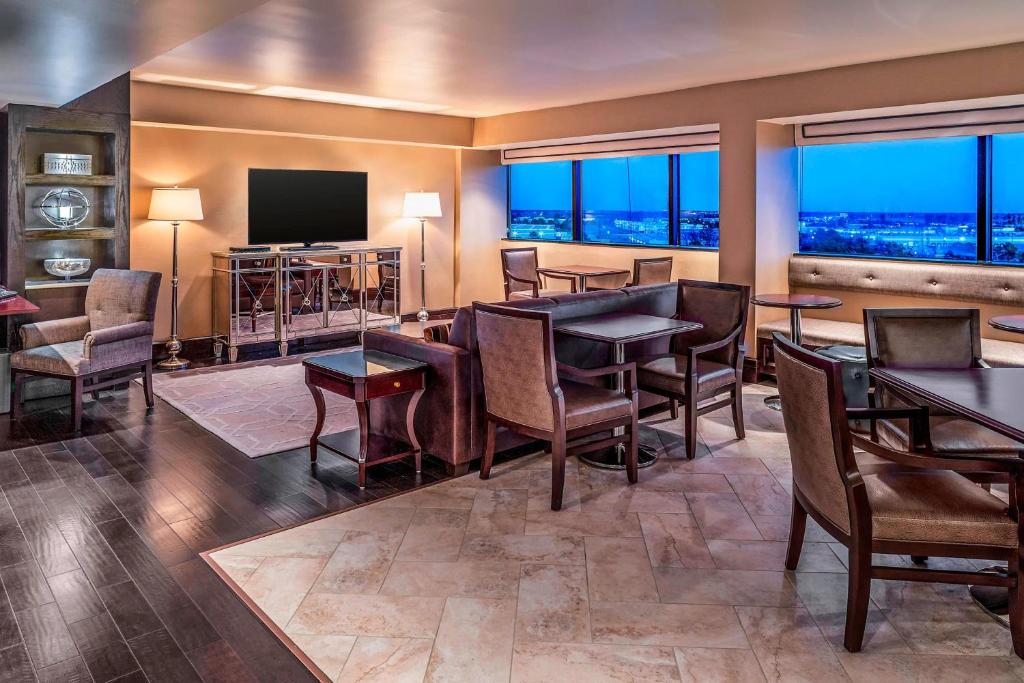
698,199
1008,198
540,201
625,200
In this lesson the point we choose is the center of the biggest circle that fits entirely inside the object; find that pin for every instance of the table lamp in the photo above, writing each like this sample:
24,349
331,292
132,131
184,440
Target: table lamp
175,204
421,206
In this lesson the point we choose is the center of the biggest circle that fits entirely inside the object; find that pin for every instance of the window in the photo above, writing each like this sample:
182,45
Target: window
910,199
1008,198
540,201
625,200
698,199
656,200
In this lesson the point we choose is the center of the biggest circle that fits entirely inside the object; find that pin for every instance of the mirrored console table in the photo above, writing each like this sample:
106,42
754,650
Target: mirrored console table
290,295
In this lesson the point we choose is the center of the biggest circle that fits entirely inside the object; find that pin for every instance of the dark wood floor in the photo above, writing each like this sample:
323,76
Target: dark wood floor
100,535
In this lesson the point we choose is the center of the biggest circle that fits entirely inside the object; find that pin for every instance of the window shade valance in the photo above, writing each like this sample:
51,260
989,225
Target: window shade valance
657,144
982,121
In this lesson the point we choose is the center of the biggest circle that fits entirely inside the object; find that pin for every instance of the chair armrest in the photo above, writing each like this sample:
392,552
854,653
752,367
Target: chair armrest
694,351
54,331
532,283
929,460
110,335
629,369
572,279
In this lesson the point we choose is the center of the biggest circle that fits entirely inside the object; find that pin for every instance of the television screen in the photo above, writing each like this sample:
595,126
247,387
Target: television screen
286,207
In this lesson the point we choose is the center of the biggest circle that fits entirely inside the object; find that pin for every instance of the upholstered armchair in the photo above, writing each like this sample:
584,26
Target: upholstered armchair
111,343
522,281
941,338
524,393
706,364
898,502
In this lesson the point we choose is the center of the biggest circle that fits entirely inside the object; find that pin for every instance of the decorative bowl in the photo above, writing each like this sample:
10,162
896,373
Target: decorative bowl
66,268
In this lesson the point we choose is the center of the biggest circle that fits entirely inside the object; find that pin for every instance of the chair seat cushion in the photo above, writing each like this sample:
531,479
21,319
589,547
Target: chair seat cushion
1002,354
667,372
56,359
528,294
951,435
938,507
586,404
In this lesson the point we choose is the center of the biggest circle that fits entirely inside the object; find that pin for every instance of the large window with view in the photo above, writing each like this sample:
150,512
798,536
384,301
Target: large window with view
908,199
625,200
540,201
1008,198
698,199
659,200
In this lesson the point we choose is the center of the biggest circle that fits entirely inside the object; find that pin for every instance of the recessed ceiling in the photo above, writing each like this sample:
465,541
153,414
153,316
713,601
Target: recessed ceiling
485,57
52,51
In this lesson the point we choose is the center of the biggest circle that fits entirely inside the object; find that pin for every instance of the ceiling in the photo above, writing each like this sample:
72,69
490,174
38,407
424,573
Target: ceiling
52,51
485,57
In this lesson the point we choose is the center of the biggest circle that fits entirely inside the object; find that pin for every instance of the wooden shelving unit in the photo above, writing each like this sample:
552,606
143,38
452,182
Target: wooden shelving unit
28,132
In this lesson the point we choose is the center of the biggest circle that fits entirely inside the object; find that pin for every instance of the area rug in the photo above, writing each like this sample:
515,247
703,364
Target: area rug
259,407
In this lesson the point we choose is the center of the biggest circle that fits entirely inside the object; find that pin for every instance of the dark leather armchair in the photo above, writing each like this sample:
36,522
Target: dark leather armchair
111,343
523,392
705,364
522,281
903,503
942,338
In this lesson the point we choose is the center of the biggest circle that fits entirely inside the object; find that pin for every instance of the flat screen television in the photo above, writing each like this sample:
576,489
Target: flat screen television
288,206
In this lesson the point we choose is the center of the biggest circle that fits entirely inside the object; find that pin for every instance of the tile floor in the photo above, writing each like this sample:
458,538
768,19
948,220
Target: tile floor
679,578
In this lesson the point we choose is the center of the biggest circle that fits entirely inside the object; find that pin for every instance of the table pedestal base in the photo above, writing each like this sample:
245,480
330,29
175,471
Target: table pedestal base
614,458
993,600
773,402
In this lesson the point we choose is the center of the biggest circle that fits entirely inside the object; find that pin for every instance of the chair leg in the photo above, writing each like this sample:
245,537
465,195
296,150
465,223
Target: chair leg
690,426
858,592
557,470
488,459
798,523
673,408
77,384
737,410
147,382
17,380
1017,608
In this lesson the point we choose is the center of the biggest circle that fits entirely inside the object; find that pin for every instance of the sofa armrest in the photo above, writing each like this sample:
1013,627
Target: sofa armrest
54,331
444,417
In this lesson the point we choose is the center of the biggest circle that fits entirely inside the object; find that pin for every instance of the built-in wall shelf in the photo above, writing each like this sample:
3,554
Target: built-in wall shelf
61,179
54,284
73,234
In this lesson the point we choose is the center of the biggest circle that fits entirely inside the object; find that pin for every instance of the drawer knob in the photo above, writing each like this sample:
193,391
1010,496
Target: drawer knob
397,385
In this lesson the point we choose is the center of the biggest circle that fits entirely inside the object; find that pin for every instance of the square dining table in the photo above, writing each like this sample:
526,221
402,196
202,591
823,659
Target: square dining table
580,273
619,329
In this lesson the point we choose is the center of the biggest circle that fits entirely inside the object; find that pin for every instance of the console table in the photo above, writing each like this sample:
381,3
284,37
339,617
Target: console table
284,295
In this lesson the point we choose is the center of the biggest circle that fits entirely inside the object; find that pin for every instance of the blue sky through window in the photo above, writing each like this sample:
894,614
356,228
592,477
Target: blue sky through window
1008,198
625,200
540,201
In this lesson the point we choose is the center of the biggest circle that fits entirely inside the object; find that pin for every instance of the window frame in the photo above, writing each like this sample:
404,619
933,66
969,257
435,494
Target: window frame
983,217
577,212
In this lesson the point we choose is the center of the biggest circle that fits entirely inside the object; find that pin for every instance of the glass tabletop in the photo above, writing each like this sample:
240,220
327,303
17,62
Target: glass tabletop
361,364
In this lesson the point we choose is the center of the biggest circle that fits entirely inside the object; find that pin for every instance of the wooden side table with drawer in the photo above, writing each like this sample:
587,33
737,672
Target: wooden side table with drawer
363,376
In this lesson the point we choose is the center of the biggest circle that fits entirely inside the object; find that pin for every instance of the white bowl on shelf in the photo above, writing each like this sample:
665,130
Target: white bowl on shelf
66,268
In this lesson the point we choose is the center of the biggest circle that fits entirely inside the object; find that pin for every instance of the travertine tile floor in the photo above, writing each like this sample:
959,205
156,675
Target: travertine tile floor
679,578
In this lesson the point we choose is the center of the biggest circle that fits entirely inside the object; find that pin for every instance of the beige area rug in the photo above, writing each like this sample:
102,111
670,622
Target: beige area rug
259,407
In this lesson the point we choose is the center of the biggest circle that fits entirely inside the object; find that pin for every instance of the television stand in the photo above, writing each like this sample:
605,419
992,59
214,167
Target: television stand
311,247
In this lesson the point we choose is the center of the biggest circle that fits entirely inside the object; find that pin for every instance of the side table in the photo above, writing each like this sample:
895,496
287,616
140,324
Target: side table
363,376
12,306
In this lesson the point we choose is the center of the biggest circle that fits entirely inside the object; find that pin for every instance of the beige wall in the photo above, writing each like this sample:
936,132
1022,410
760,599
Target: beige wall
217,163
482,225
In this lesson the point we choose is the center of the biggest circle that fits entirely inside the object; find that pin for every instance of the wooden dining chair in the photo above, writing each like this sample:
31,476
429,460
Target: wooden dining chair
523,392
936,338
652,271
520,276
704,370
902,502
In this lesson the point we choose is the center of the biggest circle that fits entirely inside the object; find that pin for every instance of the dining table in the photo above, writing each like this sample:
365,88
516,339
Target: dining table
1008,323
991,397
579,273
618,330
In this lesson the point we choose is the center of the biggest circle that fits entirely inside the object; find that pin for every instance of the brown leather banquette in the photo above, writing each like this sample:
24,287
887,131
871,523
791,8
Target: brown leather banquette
450,420
878,283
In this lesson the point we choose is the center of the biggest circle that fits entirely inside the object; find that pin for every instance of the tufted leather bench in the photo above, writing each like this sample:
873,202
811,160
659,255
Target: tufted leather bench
873,282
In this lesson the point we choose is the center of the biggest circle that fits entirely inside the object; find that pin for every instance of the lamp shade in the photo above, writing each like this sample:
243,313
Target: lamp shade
175,204
422,205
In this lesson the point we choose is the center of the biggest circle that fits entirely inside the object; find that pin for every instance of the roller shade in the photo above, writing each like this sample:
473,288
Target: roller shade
639,146
986,121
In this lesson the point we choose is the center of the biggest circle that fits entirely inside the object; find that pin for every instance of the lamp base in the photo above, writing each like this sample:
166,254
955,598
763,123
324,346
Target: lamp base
173,363
423,316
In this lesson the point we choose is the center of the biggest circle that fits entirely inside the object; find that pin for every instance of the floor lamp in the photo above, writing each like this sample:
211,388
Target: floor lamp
421,206
175,204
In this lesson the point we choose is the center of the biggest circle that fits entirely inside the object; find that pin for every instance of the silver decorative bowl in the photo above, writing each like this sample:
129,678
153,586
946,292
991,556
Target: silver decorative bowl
66,268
